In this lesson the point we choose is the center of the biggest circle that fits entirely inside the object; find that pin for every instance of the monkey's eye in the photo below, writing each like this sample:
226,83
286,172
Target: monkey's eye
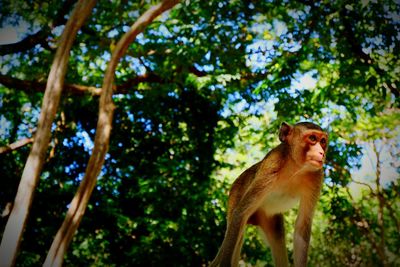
323,141
312,138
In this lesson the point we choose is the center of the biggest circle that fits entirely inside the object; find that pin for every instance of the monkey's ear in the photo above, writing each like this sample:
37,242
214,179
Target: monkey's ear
284,131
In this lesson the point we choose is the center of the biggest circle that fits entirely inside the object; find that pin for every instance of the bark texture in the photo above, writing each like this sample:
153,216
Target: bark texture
106,108
31,173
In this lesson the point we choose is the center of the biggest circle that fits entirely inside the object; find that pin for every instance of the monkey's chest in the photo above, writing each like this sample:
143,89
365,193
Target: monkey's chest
278,202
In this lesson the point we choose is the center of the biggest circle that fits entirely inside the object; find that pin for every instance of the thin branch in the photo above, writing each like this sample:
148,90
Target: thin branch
39,37
145,78
16,145
365,184
30,86
364,225
17,220
381,200
26,44
104,124
127,87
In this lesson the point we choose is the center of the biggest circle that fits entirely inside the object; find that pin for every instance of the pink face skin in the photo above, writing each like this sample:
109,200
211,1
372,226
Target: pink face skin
316,147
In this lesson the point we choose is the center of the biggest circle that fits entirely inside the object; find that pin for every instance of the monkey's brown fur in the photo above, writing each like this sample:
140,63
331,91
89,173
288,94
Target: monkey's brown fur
289,173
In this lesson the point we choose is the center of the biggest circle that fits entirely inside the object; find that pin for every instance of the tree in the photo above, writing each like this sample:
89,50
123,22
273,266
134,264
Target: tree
30,176
203,82
79,203
366,211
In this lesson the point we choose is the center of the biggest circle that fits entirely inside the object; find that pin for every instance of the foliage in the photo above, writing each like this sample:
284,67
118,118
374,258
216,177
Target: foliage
199,96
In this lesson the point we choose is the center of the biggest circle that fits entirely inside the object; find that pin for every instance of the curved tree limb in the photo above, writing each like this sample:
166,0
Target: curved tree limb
104,124
17,144
30,176
30,86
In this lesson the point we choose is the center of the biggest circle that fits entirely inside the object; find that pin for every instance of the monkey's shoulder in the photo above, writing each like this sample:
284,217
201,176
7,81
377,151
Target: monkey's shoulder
267,167
247,176
272,162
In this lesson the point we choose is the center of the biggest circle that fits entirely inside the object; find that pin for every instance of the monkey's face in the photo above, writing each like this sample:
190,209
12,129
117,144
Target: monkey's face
315,148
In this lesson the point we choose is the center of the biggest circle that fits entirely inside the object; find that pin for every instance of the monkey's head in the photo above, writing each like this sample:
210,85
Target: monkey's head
307,143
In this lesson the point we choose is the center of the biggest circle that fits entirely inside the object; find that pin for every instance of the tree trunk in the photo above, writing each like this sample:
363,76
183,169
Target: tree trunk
31,173
79,203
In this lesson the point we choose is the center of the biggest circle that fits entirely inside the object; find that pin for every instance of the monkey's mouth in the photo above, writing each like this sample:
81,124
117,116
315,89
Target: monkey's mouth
316,162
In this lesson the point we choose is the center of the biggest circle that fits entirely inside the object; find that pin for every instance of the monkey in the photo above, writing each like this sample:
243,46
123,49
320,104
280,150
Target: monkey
290,173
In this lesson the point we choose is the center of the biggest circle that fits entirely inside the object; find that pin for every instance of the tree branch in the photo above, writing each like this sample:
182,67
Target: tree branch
363,224
30,86
365,184
40,36
103,130
27,43
17,220
145,78
16,145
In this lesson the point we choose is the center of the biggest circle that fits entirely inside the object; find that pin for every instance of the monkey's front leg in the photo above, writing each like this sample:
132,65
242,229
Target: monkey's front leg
274,230
229,254
229,251
302,232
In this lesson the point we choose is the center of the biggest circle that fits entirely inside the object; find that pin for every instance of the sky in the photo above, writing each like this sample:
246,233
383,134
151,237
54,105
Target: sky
9,35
